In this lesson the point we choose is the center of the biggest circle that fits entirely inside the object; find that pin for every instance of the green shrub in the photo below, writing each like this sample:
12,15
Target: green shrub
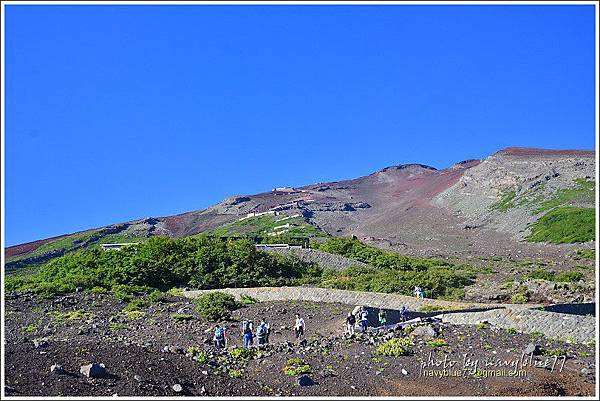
511,331
181,317
296,367
133,314
437,343
71,315
569,277
247,300
585,254
394,273
215,306
116,326
137,303
541,274
175,292
565,225
519,298
29,328
156,296
242,355
98,290
162,263
200,355
395,347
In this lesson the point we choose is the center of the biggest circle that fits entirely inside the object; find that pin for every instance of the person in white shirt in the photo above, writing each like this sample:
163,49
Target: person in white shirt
299,327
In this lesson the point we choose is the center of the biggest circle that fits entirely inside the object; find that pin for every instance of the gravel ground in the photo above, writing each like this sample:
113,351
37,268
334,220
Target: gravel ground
137,363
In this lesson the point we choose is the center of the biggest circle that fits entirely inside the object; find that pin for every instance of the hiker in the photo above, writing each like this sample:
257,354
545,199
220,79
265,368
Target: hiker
219,338
268,330
364,320
299,327
247,333
417,292
403,313
261,333
350,322
382,317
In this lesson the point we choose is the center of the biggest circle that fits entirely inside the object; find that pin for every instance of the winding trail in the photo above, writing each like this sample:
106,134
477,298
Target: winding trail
525,318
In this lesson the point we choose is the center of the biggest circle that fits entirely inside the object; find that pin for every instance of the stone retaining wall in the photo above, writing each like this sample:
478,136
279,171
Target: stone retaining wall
523,318
578,328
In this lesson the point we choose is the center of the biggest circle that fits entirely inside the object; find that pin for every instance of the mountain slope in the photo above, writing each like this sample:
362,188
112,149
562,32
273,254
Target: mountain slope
484,207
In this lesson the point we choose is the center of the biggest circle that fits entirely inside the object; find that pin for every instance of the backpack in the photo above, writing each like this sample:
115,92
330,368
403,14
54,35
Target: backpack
262,330
219,333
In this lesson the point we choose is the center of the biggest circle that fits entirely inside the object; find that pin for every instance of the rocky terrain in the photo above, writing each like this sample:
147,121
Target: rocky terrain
85,344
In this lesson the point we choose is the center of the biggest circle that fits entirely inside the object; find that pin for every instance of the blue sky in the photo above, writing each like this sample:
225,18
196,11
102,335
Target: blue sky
115,113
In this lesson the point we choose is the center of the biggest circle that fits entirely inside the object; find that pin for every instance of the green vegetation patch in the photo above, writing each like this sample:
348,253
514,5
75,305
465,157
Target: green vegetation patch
269,226
585,254
215,306
162,263
582,192
506,202
565,225
395,347
394,273
296,367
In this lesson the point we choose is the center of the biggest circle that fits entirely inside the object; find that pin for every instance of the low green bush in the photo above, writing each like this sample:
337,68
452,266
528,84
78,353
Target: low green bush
215,306
569,277
395,347
296,367
247,300
181,317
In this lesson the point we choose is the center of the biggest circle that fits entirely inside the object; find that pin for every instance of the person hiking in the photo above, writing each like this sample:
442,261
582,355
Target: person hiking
417,292
350,322
403,313
268,330
219,338
382,317
261,333
364,320
299,327
247,333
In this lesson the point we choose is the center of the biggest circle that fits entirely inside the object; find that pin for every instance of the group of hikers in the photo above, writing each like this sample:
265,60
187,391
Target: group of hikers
262,333
359,315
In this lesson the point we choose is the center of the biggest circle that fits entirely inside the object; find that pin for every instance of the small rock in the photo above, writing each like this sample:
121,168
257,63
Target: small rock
40,342
58,369
137,378
305,380
177,388
93,370
404,372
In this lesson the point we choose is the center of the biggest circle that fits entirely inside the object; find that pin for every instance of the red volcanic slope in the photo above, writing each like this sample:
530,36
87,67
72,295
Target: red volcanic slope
516,151
29,246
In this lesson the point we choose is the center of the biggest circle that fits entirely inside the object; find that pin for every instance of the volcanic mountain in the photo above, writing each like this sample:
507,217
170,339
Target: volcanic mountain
472,207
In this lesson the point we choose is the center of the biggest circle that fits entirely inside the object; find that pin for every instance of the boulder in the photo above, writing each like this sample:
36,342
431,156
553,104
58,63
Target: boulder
305,380
97,370
424,331
533,349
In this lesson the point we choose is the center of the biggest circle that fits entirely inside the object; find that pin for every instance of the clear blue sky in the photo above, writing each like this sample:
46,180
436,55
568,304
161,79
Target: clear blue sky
121,112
